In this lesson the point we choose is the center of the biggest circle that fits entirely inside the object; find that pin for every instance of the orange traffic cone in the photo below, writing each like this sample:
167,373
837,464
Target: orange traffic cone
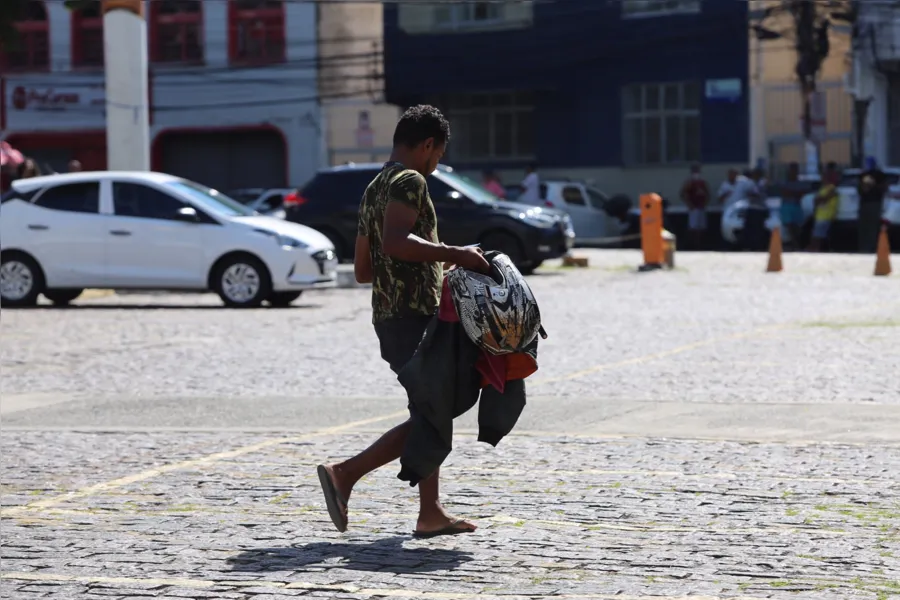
775,252
883,257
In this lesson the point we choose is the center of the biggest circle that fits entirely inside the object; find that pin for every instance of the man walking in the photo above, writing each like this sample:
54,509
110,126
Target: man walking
398,251
871,189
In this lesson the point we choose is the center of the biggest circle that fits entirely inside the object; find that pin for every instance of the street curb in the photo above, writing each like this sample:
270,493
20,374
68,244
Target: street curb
94,294
347,279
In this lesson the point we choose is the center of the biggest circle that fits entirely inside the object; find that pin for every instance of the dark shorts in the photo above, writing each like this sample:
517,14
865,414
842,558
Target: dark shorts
399,338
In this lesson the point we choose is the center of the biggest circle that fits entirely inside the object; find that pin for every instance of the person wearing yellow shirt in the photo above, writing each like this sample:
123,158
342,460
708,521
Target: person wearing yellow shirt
826,207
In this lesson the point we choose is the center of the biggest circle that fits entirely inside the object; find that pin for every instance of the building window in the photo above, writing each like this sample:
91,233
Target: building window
661,123
87,36
470,14
653,8
256,31
30,51
176,31
489,126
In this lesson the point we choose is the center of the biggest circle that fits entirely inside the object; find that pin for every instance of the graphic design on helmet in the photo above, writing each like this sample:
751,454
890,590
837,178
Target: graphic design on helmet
498,311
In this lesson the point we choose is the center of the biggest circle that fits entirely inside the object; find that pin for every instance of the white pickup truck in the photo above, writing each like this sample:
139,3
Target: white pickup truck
590,209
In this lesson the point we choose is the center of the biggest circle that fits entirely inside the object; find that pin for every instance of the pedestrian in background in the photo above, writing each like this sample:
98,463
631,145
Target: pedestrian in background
791,210
29,168
726,190
75,166
695,195
493,185
531,186
827,203
872,189
747,188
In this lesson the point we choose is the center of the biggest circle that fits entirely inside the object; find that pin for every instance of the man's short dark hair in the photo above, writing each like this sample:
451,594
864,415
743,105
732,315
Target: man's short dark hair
419,123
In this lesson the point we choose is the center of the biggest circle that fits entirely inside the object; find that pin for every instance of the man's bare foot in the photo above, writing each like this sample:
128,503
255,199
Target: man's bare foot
441,523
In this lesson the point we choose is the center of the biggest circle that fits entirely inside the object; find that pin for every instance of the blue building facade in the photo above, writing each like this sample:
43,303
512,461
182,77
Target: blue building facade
575,85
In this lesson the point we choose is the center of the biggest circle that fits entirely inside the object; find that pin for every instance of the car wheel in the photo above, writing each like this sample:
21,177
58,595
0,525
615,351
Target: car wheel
283,299
505,243
62,297
243,282
529,268
21,280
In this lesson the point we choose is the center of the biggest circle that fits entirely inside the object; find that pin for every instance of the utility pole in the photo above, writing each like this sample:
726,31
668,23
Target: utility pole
125,60
812,48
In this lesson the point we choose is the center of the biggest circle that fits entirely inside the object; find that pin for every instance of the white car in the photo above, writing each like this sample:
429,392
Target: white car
848,205
60,234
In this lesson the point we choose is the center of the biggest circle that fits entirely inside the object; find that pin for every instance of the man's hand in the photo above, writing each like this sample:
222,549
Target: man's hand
471,258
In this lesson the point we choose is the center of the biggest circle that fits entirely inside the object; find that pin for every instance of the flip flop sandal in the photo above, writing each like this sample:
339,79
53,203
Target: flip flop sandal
337,506
451,529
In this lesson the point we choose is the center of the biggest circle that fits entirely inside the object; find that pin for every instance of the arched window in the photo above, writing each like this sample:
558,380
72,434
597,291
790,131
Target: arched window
176,31
31,50
87,36
256,31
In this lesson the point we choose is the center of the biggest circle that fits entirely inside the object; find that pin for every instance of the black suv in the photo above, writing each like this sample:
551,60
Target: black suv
466,212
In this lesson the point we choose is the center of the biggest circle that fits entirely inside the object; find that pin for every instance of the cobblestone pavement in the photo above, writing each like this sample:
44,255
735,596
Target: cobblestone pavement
562,516
710,432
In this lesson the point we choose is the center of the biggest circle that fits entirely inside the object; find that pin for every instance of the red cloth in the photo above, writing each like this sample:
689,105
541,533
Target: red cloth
495,370
696,193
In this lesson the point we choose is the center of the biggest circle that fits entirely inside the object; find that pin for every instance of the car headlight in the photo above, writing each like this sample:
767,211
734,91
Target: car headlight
289,242
537,219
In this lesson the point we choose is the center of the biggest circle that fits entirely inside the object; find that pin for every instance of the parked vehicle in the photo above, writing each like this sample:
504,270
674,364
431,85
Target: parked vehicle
467,214
269,202
63,233
843,234
589,208
848,207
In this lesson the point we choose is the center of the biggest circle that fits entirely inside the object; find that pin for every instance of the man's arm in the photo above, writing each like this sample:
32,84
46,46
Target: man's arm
399,241
362,260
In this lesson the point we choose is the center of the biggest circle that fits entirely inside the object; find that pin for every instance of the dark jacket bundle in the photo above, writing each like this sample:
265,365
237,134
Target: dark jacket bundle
444,380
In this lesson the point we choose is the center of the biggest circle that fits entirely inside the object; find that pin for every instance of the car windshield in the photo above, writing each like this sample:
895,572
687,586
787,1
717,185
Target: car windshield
211,200
467,187
598,199
243,197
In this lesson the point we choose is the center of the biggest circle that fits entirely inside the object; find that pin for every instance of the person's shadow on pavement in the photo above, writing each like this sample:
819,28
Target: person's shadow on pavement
386,555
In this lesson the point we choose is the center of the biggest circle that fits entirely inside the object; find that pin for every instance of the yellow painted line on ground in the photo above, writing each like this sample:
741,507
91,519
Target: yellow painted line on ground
342,588
210,458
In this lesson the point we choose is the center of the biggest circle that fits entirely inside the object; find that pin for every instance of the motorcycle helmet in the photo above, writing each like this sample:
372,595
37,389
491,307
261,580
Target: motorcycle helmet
497,310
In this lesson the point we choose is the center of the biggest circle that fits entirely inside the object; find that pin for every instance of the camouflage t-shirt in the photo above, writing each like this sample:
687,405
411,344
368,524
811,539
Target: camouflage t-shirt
400,288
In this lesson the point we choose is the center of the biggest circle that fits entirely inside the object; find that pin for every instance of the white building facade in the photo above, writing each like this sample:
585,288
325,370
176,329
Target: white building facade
875,77
232,90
